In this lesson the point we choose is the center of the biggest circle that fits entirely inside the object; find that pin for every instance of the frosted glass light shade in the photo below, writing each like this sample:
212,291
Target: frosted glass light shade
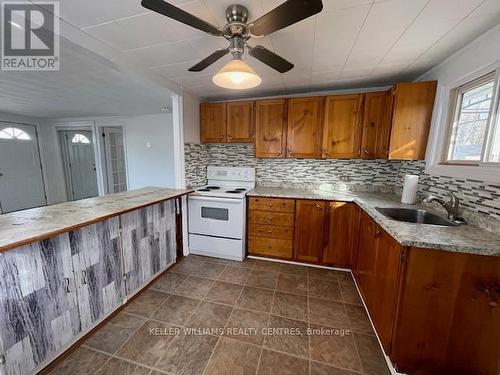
237,75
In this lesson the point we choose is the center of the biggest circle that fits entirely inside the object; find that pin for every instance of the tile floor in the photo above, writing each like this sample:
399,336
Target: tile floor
211,316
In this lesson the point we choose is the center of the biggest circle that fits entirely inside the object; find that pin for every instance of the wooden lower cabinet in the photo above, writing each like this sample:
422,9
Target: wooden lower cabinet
309,224
340,233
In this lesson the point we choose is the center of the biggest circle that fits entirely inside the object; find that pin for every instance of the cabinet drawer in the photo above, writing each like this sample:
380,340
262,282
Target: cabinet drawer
270,246
272,204
269,217
270,231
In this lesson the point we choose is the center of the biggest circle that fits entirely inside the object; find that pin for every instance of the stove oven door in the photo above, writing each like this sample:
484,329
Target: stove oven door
219,217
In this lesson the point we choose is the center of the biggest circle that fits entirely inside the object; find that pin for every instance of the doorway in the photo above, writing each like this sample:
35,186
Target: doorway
21,178
78,155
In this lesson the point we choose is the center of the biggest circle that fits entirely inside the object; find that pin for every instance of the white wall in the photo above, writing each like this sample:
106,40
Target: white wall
191,118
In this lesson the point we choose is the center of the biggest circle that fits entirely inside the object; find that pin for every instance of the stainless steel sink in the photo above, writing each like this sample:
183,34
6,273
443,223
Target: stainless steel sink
412,215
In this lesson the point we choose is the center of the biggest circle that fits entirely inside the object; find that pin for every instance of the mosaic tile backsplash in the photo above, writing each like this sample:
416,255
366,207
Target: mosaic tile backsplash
478,198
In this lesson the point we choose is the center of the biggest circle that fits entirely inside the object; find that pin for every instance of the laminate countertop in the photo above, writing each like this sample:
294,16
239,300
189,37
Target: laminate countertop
463,239
23,227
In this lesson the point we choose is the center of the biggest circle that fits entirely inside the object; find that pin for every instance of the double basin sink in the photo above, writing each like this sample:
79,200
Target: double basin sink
413,215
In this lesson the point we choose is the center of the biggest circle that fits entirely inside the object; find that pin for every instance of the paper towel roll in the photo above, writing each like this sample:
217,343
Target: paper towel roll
410,188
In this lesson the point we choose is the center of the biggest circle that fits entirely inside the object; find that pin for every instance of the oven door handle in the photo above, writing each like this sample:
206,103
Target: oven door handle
214,199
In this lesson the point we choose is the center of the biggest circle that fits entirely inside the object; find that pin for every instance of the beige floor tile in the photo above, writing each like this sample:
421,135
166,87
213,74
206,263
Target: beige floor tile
223,292
176,310
350,293
232,357
194,287
146,303
209,315
292,306
118,367
359,319
272,363
246,325
263,279
187,354
267,265
168,282
287,335
325,289
294,269
188,265
329,313
322,369
236,275
256,299
323,273
335,349
209,270
84,360
372,357
291,283
148,343
115,332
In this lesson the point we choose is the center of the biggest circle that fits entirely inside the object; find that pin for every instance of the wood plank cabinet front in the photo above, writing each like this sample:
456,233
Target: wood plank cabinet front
239,122
342,126
309,224
377,118
304,127
411,121
213,123
270,128
340,226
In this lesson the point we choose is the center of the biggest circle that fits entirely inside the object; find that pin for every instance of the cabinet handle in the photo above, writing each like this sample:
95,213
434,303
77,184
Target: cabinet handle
270,218
279,153
326,152
377,232
230,137
366,152
124,276
2,359
319,206
66,288
84,277
493,303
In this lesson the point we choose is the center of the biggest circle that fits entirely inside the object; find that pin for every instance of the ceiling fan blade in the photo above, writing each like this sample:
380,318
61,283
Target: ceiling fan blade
180,15
209,60
286,14
270,58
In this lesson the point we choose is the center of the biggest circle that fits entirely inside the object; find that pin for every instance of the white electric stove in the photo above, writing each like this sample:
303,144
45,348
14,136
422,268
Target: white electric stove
217,213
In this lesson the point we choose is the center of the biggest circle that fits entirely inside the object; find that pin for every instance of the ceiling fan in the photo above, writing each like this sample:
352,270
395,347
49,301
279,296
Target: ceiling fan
237,74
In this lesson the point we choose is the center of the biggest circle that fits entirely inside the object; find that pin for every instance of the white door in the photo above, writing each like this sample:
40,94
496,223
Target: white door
21,181
78,152
114,153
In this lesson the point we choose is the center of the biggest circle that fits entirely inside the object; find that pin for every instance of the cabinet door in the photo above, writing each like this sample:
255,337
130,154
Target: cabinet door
338,234
213,123
377,119
97,261
305,127
413,105
149,241
342,126
38,304
270,128
366,257
309,225
239,122
386,287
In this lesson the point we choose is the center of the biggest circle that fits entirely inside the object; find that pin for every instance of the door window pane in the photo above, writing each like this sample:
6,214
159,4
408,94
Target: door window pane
471,121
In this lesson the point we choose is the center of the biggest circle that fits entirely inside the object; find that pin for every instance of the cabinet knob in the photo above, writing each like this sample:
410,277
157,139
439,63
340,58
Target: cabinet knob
269,218
2,359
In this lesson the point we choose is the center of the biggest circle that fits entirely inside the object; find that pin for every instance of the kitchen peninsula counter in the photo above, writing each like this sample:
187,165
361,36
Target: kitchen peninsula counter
23,227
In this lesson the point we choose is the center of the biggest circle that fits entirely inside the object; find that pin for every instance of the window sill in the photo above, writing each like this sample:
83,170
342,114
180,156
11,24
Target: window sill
470,172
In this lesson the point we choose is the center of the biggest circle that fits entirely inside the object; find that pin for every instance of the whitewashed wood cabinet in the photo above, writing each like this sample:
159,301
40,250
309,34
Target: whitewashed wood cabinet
54,291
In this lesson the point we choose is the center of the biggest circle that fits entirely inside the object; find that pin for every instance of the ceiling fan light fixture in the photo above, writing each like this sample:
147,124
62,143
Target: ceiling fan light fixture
237,75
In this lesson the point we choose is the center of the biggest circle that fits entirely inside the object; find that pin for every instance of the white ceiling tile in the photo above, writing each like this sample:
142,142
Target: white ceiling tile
333,5
364,72
335,35
114,35
445,10
327,76
385,23
488,8
164,54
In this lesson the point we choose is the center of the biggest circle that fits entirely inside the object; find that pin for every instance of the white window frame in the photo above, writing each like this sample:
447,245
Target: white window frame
444,112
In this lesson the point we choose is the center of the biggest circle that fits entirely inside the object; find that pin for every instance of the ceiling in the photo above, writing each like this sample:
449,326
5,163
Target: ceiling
351,43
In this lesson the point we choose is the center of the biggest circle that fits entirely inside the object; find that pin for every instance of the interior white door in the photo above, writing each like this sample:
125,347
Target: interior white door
21,181
80,164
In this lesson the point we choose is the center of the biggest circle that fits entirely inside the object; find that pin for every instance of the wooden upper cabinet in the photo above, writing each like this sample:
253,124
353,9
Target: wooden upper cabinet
213,123
342,126
270,128
377,119
309,225
304,127
339,233
413,105
239,122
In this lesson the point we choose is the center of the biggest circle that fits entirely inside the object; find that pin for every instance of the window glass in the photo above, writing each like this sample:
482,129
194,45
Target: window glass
471,122
494,152
80,138
14,133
